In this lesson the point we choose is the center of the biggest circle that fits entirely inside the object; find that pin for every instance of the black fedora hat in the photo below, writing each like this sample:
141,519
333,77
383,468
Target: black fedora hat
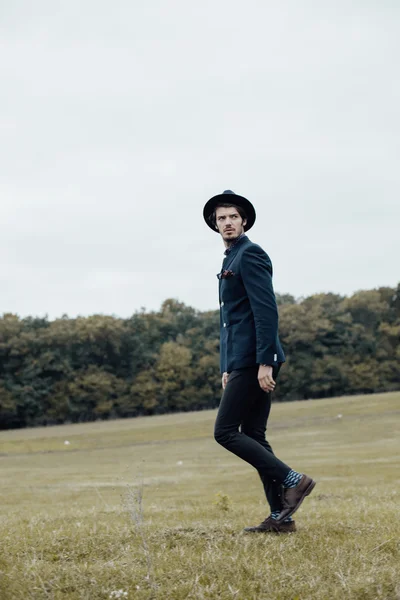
225,198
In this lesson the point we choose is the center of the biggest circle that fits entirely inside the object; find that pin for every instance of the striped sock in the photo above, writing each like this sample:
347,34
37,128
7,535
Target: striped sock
292,479
275,514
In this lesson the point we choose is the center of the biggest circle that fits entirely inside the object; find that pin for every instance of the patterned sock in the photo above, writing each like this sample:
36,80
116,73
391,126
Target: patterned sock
292,479
275,514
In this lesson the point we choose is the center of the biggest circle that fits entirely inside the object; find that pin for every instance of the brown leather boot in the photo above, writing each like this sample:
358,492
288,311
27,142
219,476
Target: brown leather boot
293,497
270,525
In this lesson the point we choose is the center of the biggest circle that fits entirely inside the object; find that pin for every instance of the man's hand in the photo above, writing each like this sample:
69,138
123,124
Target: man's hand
265,378
224,380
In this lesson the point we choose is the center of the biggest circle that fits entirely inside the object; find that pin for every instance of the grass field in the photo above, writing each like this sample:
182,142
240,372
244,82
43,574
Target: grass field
154,508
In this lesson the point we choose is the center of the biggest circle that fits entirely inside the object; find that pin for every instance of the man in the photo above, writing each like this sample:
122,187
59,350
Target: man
251,356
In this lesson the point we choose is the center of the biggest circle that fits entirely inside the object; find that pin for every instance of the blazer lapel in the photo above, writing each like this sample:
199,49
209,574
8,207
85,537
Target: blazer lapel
231,256
228,260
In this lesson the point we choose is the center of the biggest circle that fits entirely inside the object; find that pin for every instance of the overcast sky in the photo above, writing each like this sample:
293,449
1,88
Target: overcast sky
119,120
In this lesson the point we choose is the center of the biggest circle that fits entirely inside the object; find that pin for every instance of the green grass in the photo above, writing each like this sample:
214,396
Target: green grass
73,523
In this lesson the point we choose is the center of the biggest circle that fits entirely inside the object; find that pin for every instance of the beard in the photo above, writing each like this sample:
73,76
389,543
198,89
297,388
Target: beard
232,237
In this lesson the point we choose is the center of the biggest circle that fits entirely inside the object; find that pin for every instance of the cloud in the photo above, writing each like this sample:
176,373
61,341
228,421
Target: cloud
117,125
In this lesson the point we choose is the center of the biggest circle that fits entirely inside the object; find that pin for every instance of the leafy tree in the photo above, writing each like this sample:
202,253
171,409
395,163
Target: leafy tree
103,367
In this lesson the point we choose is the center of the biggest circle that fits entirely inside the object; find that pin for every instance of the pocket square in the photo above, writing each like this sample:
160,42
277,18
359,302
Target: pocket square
225,274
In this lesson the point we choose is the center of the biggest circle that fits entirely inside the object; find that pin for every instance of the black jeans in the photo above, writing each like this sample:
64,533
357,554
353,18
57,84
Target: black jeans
244,404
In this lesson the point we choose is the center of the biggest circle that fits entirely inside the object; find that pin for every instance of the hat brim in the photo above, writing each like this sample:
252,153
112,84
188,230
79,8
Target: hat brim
237,200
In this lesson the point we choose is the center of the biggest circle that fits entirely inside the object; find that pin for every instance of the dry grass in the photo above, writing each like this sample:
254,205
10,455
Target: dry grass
155,508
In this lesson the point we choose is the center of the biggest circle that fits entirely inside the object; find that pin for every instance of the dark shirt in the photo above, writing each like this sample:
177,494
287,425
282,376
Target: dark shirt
231,247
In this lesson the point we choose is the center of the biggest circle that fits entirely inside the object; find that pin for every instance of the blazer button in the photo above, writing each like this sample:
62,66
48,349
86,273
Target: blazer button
222,304
224,324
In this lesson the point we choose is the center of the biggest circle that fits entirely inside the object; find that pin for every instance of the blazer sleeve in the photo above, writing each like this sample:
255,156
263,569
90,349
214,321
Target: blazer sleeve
256,272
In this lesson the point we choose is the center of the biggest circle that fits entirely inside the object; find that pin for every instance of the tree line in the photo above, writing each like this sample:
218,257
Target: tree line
104,367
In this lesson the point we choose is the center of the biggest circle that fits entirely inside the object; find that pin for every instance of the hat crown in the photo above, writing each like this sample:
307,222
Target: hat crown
229,192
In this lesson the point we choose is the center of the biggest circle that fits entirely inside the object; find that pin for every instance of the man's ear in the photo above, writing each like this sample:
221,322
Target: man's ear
244,222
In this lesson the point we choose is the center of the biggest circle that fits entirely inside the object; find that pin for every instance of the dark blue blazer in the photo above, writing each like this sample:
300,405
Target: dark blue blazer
248,310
